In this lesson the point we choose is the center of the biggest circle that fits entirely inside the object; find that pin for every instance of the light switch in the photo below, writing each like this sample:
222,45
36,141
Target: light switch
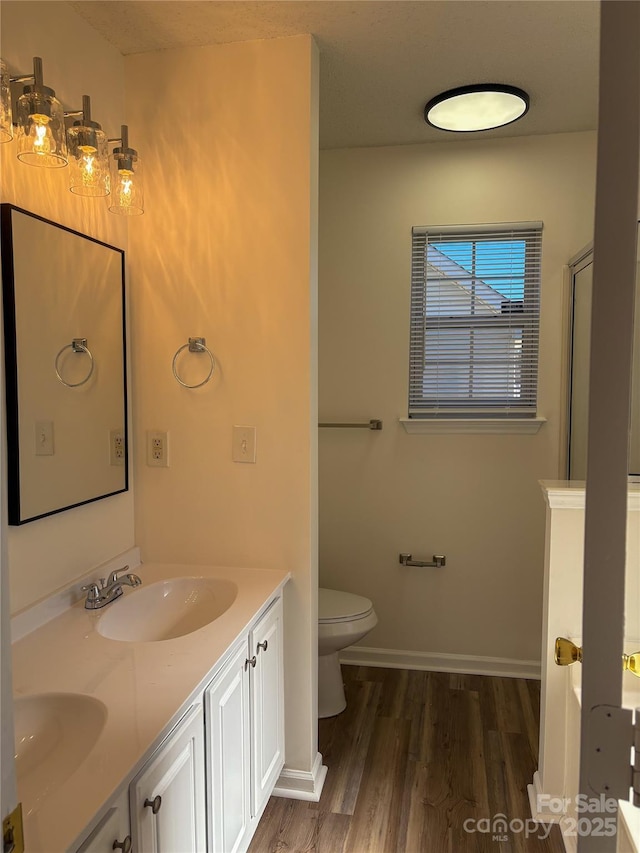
244,444
44,438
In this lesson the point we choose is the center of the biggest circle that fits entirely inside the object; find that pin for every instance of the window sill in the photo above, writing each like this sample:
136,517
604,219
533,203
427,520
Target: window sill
477,426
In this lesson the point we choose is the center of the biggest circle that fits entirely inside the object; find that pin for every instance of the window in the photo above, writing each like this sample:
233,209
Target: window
475,307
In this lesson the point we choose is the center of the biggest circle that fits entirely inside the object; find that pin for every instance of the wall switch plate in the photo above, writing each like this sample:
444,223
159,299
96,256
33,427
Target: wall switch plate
244,444
157,448
116,447
44,438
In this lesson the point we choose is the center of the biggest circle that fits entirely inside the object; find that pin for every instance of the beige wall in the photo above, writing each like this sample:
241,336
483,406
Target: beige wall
474,498
47,554
226,250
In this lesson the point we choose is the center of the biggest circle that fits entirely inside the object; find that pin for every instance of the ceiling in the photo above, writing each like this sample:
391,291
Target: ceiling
381,60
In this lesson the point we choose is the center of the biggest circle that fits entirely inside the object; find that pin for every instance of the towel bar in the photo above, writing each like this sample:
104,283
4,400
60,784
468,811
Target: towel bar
374,423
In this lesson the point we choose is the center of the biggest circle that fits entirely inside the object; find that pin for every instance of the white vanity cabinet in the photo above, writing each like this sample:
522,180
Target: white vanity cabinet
167,798
245,734
267,706
112,832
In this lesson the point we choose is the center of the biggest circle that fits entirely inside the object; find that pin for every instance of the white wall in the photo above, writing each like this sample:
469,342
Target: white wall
226,250
47,554
474,498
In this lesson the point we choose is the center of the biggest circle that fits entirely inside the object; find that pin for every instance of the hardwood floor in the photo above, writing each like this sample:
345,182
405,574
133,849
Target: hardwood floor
415,758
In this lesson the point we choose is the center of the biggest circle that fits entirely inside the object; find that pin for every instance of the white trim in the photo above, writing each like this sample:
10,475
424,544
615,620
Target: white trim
570,494
43,611
480,426
439,662
628,827
580,256
535,792
301,784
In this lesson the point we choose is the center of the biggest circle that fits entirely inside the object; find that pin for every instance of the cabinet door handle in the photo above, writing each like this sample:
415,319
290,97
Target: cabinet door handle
250,662
264,646
125,845
154,804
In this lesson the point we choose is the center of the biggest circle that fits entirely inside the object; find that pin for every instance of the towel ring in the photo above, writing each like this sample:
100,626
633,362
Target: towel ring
198,345
77,345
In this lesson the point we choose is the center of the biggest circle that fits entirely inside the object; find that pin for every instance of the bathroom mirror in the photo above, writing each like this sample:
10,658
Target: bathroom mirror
64,346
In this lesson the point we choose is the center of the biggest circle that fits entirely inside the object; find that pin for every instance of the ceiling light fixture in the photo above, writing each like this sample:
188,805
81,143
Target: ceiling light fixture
479,107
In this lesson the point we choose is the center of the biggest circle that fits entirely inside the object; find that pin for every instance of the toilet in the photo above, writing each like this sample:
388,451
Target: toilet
343,619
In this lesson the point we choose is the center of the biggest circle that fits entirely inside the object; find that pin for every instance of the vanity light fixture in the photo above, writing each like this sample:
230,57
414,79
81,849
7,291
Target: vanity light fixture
127,195
479,107
40,118
88,155
44,140
6,123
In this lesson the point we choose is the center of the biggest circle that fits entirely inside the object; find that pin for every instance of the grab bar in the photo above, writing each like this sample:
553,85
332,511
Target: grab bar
374,423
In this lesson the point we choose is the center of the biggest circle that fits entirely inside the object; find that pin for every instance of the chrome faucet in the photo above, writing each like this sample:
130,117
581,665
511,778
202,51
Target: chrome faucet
99,595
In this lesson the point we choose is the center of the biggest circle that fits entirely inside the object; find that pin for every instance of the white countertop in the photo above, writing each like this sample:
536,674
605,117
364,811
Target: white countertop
145,686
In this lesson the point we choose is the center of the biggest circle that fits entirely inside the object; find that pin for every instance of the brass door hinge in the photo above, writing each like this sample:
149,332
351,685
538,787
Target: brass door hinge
12,832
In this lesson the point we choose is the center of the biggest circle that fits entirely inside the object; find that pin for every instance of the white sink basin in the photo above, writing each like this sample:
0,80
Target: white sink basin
167,609
54,733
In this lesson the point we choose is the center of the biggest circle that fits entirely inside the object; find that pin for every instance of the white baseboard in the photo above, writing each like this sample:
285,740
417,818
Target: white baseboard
301,785
466,664
537,798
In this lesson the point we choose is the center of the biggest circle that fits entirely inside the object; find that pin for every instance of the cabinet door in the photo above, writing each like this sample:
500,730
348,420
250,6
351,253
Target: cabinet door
167,797
227,712
112,832
267,701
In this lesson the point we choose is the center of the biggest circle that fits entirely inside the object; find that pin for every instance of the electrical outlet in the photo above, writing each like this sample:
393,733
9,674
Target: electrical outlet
116,447
157,448
44,438
244,444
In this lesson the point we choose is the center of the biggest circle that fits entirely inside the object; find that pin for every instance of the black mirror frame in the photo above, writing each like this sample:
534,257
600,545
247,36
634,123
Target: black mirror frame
11,367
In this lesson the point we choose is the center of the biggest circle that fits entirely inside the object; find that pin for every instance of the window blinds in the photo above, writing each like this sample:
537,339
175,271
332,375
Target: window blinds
475,308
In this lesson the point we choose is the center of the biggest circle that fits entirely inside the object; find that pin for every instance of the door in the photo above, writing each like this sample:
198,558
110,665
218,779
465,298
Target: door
267,717
606,735
227,710
168,811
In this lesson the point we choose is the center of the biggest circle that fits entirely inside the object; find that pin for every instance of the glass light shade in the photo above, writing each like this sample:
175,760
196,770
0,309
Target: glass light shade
127,196
88,161
6,125
41,130
472,108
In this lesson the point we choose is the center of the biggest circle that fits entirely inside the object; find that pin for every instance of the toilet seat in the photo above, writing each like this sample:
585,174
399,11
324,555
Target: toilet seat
336,606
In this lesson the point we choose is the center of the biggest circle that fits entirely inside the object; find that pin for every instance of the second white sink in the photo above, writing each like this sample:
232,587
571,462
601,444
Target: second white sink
54,734
167,609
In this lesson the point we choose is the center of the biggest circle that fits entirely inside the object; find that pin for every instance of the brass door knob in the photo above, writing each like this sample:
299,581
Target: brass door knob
566,652
631,663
